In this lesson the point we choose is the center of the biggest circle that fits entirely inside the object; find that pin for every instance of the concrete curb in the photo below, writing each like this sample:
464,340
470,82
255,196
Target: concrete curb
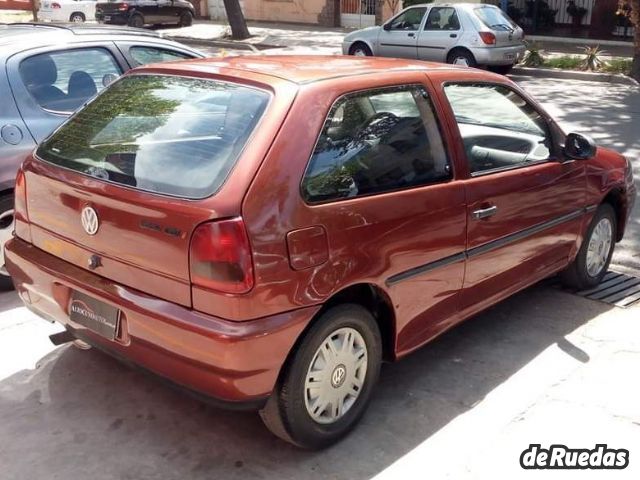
230,44
574,75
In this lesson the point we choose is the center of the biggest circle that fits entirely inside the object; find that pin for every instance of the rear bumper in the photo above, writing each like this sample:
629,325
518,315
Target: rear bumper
113,18
498,55
234,363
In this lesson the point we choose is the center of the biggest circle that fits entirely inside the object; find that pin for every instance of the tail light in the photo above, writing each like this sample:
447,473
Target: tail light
55,5
220,257
123,7
20,216
488,38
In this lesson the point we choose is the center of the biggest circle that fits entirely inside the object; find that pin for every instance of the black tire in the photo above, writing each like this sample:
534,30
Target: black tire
186,19
6,220
360,49
501,69
460,54
286,413
576,274
136,20
77,17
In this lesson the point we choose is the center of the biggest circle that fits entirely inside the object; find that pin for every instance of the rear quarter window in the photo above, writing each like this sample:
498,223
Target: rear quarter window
164,134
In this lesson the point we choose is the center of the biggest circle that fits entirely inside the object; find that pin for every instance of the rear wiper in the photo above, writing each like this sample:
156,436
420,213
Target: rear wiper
505,26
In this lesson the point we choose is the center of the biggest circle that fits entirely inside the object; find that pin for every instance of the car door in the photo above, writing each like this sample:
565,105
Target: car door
441,32
150,10
525,202
380,186
50,83
166,11
399,37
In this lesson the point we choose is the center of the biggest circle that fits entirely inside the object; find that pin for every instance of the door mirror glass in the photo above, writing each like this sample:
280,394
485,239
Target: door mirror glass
579,147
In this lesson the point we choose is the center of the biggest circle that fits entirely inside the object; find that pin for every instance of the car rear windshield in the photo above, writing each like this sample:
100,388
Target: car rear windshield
164,134
494,18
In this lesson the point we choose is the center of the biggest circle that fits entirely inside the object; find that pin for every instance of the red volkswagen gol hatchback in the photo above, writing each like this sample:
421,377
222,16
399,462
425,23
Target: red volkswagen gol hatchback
267,230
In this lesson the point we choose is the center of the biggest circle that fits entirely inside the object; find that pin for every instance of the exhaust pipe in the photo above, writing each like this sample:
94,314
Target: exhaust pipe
61,338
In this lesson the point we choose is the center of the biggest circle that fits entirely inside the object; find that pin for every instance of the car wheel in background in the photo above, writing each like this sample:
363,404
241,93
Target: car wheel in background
136,20
594,256
360,49
6,230
186,19
462,57
501,69
327,382
77,17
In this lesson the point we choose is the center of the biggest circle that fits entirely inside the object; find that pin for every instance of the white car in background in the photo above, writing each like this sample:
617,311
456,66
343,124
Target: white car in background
76,11
468,34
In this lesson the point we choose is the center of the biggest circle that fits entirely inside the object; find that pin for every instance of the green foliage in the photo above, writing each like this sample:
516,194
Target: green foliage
534,56
566,62
617,65
592,60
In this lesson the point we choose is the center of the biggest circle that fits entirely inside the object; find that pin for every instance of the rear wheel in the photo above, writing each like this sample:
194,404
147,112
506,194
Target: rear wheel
77,17
593,258
360,49
6,231
327,383
186,19
461,57
136,20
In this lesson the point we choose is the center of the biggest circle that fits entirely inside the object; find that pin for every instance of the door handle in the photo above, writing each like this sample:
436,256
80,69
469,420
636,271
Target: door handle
411,34
453,35
484,212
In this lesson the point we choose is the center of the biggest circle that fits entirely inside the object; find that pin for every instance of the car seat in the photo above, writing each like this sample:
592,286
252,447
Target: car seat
39,74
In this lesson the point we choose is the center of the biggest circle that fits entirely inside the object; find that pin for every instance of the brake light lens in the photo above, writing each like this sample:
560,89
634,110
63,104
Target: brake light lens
55,5
220,257
21,219
488,38
123,7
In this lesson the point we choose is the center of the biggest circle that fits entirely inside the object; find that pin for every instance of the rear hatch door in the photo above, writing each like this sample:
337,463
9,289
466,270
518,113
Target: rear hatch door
144,160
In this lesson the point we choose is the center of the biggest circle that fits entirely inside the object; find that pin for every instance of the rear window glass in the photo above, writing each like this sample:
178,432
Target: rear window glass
169,135
494,18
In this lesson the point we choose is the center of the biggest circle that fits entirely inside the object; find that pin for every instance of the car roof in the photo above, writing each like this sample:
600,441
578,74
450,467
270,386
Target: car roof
32,33
301,69
446,4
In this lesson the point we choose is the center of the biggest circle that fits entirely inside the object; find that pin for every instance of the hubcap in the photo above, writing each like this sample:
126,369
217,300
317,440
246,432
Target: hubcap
77,19
461,61
359,52
6,229
336,376
599,247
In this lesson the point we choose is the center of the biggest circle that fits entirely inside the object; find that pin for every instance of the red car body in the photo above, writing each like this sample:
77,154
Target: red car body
417,257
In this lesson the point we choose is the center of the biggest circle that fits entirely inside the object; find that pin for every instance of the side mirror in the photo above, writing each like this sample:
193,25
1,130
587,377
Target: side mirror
579,147
386,26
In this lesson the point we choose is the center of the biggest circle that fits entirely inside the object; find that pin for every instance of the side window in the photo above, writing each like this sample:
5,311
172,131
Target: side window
499,128
376,141
144,55
442,18
63,81
409,20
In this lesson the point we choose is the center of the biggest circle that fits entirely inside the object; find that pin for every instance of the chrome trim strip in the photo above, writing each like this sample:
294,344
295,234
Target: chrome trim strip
399,277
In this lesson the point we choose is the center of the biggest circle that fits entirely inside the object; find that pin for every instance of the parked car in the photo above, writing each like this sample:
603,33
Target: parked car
75,11
48,71
138,13
467,34
195,218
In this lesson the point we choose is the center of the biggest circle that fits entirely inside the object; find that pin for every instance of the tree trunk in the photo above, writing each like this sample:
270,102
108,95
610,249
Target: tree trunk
35,6
635,20
238,24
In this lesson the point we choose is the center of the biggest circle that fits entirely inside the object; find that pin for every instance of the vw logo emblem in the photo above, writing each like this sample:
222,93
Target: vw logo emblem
89,219
338,375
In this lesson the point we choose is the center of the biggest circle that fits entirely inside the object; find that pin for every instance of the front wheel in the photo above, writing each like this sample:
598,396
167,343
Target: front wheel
327,383
6,231
77,17
360,49
593,258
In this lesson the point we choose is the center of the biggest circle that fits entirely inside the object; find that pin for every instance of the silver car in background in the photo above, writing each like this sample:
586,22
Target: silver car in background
468,34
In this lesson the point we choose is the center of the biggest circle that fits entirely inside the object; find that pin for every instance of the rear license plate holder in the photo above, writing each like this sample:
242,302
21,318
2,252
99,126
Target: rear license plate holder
95,315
